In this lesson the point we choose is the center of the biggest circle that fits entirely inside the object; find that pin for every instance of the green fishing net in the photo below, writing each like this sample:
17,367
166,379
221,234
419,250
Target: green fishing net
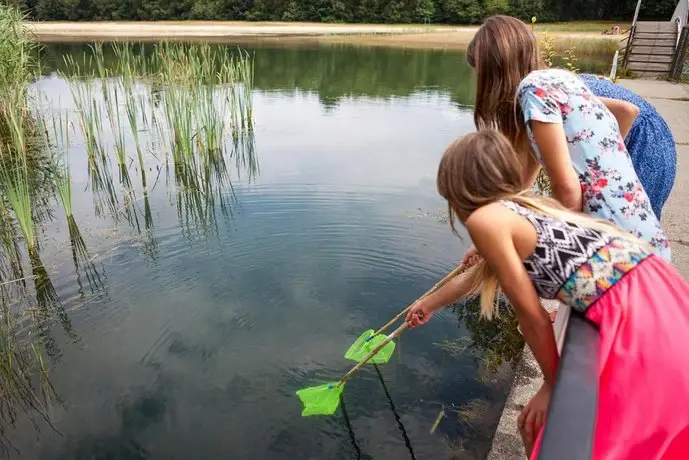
321,400
363,346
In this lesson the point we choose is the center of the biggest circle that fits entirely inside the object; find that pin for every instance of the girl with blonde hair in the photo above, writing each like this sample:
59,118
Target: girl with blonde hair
533,246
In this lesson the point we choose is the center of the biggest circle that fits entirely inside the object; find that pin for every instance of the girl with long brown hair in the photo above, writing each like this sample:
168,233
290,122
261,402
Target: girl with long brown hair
531,247
552,120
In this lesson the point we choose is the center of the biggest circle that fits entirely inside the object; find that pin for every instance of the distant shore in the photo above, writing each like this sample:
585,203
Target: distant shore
415,36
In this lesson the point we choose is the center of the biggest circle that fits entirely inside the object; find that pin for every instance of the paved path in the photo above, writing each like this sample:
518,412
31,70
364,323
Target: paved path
672,101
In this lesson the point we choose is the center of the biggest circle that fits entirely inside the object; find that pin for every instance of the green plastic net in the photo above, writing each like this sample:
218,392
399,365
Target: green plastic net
363,346
321,400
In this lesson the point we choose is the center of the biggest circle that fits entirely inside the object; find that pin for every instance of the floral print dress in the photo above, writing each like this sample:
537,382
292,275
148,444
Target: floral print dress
650,142
610,187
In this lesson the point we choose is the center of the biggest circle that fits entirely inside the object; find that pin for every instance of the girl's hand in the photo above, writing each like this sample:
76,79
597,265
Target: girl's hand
418,315
533,415
471,257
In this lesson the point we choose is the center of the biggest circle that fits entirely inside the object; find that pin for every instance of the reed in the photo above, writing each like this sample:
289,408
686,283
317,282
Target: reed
63,177
17,66
88,110
15,187
127,65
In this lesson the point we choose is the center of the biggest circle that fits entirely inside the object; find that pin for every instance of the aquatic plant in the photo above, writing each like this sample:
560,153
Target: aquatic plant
17,66
88,110
63,176
15,188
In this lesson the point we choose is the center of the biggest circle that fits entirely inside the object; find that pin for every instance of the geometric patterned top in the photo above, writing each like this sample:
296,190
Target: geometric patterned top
575,264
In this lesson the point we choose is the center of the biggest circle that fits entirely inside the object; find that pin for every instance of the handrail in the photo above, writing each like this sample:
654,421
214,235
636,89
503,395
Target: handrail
679,32
571,419
680,52
613,68
636,12
628,48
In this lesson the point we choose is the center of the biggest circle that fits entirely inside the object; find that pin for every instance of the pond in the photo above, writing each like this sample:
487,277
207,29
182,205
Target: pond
189,311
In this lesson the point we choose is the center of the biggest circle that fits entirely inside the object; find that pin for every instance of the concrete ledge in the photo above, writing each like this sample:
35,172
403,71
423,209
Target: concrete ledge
507,444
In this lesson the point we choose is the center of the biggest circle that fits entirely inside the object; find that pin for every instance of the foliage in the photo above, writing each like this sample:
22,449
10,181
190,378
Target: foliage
16,46
547,49
570,59
395,11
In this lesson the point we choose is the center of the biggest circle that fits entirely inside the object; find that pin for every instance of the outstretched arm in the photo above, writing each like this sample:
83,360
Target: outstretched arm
455,289
625,113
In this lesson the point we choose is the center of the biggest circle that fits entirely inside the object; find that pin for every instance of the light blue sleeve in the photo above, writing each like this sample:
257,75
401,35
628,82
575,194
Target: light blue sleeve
537,105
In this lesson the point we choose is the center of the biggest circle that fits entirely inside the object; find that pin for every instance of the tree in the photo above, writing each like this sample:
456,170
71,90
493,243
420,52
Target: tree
496,7
459,11
372,11
425,9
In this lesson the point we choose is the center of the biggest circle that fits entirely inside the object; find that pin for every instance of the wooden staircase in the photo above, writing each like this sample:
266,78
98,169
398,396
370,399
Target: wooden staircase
652,48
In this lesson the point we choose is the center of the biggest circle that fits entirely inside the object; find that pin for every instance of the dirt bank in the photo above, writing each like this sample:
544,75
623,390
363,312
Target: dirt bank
417,36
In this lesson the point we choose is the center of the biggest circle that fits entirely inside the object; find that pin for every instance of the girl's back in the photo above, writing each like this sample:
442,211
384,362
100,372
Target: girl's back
650,142
610,187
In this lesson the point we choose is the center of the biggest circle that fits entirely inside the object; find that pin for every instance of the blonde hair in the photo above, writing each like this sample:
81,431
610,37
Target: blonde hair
481,168
503,52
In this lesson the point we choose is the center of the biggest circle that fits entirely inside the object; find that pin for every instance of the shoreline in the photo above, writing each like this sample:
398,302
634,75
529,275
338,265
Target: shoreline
404,35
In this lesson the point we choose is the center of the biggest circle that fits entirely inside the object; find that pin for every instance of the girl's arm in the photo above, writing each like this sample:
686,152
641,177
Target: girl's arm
531,170
625,113
552,144
455,289
492,231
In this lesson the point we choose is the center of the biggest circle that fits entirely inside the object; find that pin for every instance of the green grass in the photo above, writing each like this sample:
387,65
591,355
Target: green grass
14,183
587,47
581,26
17,66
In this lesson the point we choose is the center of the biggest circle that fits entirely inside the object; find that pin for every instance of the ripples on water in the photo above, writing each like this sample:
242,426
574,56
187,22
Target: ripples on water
191,343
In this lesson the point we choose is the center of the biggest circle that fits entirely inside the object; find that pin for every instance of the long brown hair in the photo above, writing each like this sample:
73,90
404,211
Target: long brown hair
503,52
482,168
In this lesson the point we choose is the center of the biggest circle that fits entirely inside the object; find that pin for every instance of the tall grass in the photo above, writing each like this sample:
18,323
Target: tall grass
15,187
17,66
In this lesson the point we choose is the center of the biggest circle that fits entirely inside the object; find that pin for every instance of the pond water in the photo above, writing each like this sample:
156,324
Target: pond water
197,314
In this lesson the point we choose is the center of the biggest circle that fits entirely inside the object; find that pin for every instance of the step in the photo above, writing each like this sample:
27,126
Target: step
638,34
663,50
650,74
648,26
649,66
651,58
669,42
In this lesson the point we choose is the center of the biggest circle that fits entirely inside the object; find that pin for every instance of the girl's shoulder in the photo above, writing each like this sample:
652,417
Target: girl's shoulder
561,79
494,218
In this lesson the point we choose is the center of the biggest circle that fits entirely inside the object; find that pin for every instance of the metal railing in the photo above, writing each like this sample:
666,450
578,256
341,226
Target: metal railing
571,418
628,46
613,67
680,53
679,32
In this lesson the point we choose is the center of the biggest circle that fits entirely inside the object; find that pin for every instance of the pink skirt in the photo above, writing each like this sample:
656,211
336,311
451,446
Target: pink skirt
643,401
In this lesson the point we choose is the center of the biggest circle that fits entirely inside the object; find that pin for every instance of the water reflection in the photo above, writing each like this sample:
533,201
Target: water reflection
338,72
227,290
